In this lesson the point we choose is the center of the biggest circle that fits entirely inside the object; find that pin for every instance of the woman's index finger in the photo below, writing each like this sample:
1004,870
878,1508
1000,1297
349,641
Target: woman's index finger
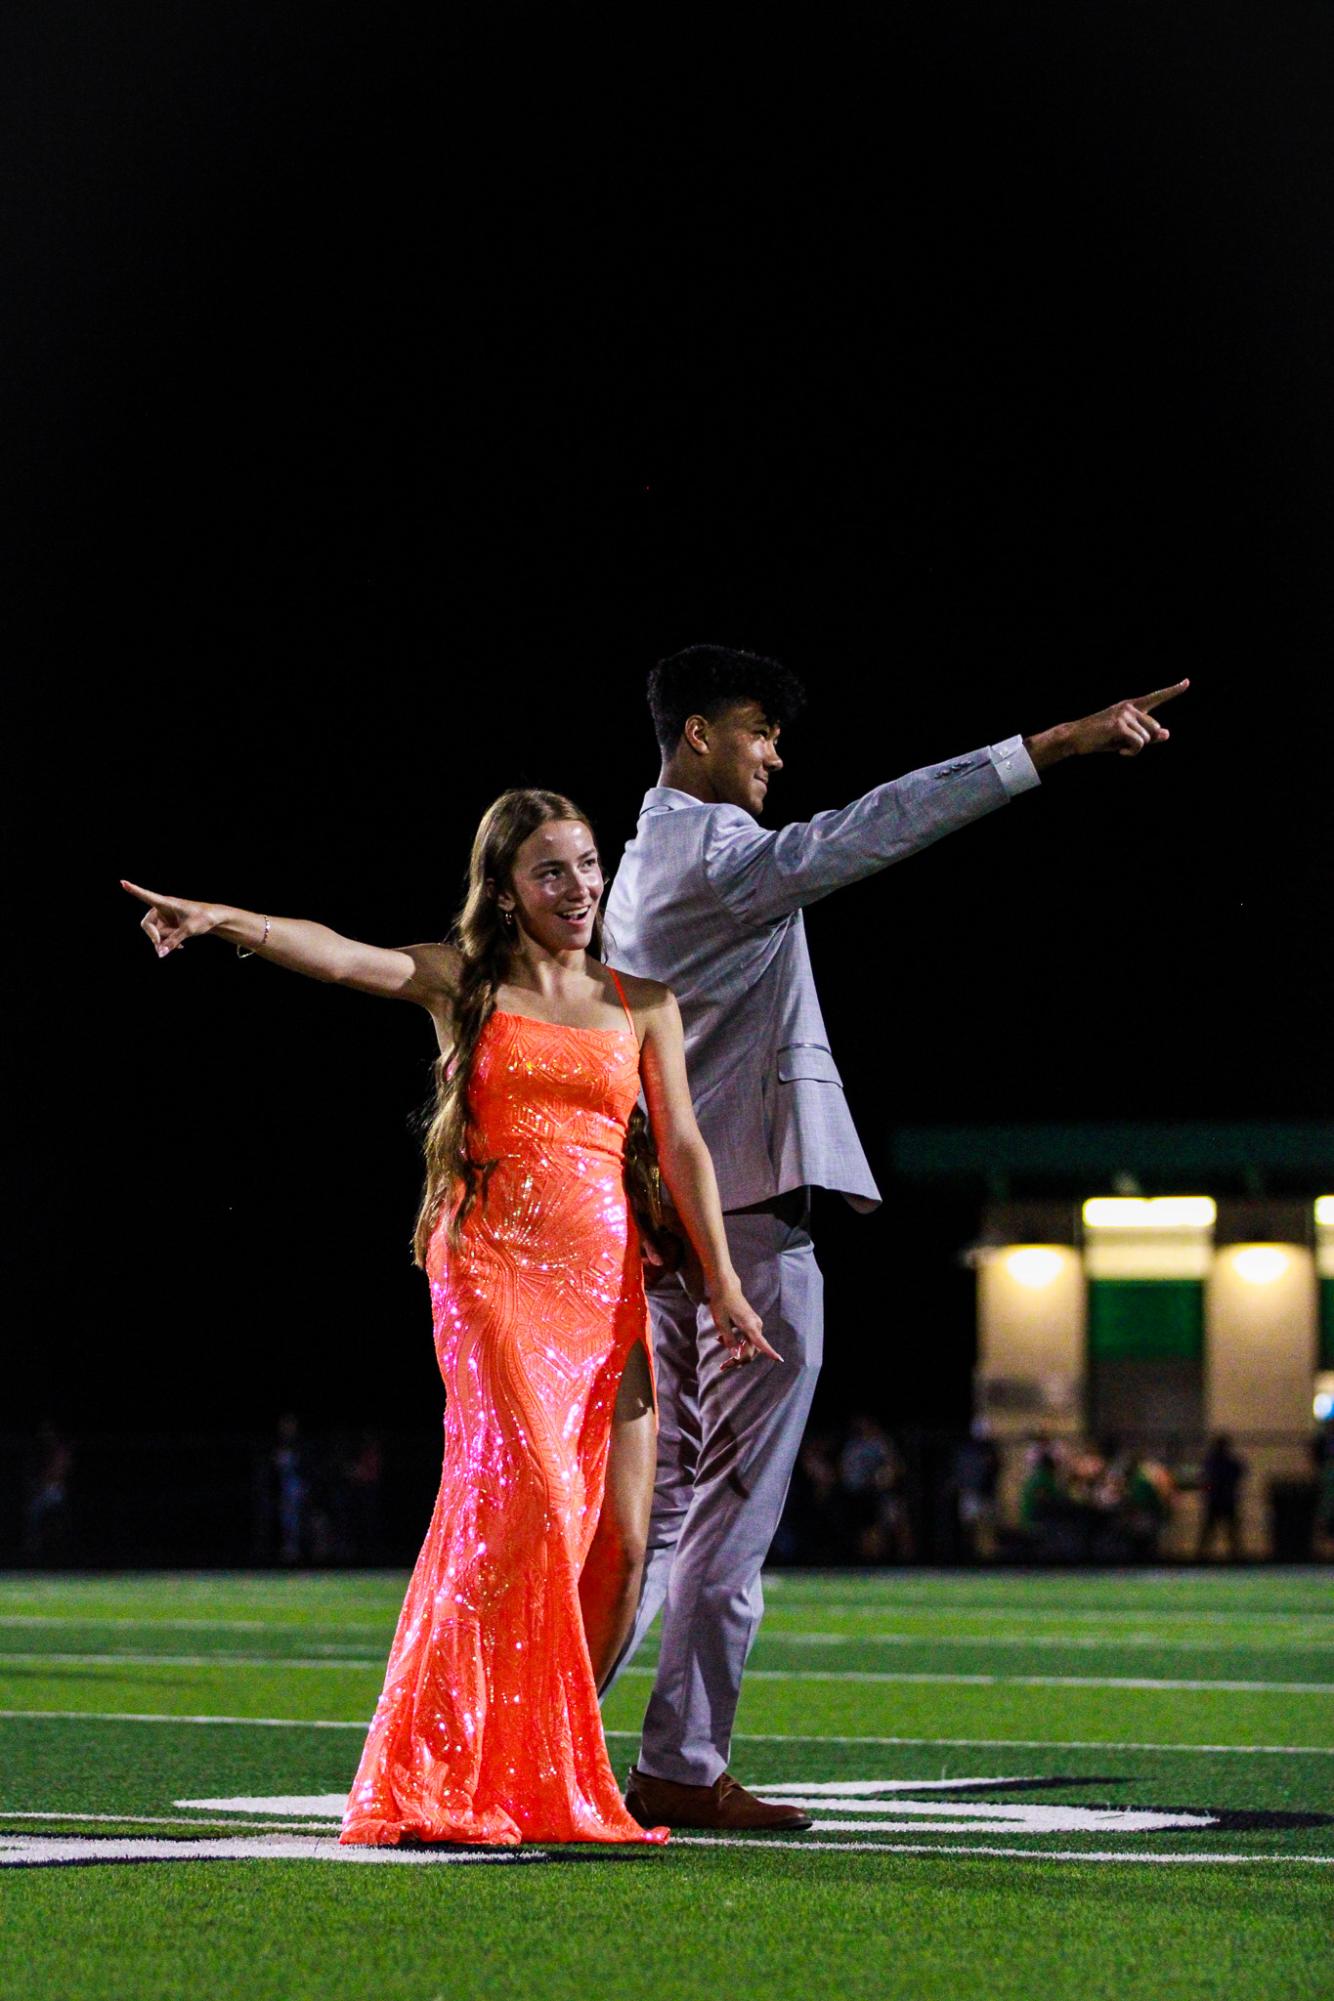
144,895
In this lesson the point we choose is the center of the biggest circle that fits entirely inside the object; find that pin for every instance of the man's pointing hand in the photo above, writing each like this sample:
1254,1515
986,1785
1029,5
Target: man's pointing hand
1126,728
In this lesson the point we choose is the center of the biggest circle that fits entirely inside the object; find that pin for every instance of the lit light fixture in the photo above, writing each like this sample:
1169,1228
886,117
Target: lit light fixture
1260,1264
1322,1403
1155,1212
1324,1211
1034,1265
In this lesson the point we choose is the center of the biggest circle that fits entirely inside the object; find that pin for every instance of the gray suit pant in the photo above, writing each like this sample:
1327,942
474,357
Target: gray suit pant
727,1443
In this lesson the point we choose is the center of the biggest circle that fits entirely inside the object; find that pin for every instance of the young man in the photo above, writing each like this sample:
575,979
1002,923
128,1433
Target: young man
708,902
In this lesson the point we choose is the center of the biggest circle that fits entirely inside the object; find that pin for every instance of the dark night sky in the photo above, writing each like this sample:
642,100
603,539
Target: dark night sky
382,395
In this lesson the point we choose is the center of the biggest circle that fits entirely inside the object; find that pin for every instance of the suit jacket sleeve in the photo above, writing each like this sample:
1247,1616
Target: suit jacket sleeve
762,877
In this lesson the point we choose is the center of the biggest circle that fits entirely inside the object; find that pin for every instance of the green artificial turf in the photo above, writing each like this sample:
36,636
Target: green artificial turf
759,1922
1033,1724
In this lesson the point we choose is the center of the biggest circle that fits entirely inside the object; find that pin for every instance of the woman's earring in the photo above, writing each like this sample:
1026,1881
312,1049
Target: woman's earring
507,918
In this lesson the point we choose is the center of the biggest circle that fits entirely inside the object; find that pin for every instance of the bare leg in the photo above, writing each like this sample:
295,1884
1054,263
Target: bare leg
609,1586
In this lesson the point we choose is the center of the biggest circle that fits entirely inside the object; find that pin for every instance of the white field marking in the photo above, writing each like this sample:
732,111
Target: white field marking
27,1850
868,1609
219,1659
1019,1817
863,1675
1107,1644
925,1677
1025,1615
1054,1825
333,1805
1017,1854
150,1716
859,1789
153,1619
741,1736
297,1824
302,1806
947,1815
1030,1680
1022,1743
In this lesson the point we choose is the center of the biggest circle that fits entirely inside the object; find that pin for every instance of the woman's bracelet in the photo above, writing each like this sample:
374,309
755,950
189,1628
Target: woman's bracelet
249,951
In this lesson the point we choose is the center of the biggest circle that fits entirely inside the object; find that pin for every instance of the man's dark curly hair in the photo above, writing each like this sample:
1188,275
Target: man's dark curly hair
705,680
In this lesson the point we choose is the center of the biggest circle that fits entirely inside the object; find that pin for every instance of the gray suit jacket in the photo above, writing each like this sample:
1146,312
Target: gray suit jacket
710,903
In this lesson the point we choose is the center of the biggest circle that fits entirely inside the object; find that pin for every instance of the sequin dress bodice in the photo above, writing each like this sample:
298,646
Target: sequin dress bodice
542,1090
488,1729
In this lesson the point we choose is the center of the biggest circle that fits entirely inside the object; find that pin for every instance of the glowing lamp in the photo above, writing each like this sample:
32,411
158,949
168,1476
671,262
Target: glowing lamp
1155,1212
1260,1264
1324,1211
1034,1266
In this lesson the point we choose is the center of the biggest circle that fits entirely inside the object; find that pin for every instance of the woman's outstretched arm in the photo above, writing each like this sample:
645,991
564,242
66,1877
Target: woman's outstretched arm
422,973
687,1170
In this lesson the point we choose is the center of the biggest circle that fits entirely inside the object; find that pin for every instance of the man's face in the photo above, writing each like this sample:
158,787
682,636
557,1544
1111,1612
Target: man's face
740,754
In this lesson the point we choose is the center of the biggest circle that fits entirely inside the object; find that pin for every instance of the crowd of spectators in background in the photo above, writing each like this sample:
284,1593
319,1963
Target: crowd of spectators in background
860,1497
1092,1504
848,1502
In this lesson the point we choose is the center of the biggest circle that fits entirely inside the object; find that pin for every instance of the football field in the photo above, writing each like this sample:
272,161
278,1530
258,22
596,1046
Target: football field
1037,1785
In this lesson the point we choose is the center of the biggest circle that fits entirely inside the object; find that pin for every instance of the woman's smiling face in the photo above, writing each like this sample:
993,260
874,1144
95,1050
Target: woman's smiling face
556,886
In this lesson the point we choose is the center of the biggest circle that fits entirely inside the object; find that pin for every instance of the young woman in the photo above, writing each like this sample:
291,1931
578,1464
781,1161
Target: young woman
525,1591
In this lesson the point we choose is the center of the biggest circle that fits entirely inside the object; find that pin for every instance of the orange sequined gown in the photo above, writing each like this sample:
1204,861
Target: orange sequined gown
488,1727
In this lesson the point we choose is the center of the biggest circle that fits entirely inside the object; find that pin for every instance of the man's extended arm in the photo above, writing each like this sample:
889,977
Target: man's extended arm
762,877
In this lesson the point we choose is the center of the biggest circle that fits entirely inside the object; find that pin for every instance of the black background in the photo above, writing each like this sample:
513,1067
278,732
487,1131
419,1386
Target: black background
384,394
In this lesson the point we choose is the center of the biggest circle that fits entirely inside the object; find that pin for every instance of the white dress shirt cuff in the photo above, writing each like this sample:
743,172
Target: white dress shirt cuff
1014,767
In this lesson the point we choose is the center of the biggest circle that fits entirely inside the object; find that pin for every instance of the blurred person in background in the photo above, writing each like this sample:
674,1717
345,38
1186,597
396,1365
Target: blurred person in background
865,1457
1146,1510
977,1468
291,1491
1322,1460
1222,1472
812,1529
48,1528
1042,1500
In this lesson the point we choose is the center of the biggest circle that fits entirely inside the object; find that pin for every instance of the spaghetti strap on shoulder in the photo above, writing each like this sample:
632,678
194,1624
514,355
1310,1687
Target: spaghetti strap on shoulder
616,981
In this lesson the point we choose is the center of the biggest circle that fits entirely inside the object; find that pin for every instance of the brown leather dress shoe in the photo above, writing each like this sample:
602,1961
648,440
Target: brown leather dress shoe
724,1806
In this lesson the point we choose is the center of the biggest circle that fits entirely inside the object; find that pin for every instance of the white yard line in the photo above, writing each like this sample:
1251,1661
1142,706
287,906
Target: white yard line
219,1659
866,1789
43,1851
741,1736
151,1621
923,1677
1018,1854
292,1629
29,1850
1252,1643
790,1601
1023,1743
289,1823
1026,1615
1030,1680
1107,1643
151,1716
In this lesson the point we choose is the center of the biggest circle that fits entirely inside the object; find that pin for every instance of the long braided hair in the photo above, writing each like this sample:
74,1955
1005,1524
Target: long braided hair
455,1178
